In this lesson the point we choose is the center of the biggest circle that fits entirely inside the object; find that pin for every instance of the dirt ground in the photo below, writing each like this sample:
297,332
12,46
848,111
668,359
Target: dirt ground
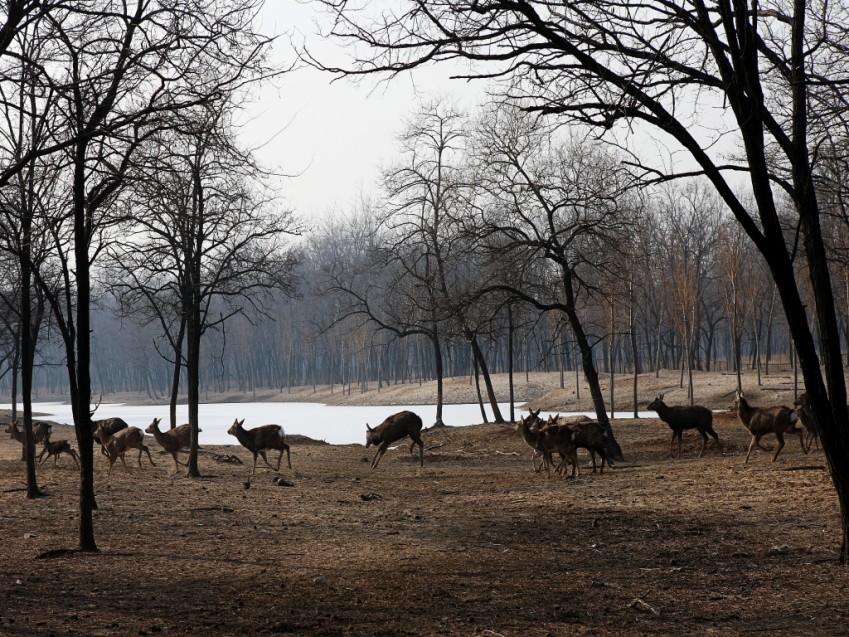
473,543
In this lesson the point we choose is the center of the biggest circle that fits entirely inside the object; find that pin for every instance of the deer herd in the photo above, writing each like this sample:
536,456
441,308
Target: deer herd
562,436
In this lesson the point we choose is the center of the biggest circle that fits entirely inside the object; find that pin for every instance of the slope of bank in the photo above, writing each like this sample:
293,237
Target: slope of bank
538,390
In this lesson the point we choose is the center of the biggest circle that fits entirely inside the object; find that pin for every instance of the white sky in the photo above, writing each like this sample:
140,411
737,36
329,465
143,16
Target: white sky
334,136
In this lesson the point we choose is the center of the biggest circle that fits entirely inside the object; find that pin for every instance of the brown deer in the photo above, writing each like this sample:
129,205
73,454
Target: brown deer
560,439
759,422
172,440
260,440
394,428
809,422
57,448
121,442
110,426
528,428
680,418
40,432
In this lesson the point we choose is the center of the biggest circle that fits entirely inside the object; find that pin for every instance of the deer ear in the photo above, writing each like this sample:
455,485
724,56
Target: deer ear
369,428
660,397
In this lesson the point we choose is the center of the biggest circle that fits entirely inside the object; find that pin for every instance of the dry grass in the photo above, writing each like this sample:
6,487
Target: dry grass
474,543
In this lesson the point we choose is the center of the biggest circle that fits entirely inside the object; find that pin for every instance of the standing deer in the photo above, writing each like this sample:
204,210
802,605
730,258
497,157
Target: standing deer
260,440
528,427
809,422
172,440
40,432
120,442
394,428
680,418
759,422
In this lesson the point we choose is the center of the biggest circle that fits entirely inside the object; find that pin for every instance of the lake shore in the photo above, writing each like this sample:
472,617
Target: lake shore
537,390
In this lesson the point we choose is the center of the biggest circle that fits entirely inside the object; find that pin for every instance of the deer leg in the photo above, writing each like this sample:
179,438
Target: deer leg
780,437
380,451
680,436
715,436
603,455
704,443
147,451
755,442
417,440
672,445
43,451
537,454
802,439
74,456
265,458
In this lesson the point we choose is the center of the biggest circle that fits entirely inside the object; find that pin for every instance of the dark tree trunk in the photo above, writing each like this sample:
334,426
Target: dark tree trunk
490,392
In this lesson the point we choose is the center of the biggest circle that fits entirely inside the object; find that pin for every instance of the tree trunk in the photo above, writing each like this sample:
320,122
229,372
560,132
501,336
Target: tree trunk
478,355
28,333
510,329
80,366
437,360
178,366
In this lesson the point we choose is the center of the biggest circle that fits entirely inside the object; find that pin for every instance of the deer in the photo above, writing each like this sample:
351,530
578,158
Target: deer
171,440
681,417
40,432
532,437
260,440
592,437
809,422
110,426
57,448
545,439
759,422
394,428
560,439
118,443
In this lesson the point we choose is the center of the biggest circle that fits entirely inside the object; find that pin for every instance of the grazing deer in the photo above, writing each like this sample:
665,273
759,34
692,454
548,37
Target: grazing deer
172,440
120,442
260,440
40,432
759,422
55,449
680,418
394,428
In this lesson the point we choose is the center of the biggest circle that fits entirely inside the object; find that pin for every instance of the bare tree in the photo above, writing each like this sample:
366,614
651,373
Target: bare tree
204,244
690,216
618,67
559,204
101,82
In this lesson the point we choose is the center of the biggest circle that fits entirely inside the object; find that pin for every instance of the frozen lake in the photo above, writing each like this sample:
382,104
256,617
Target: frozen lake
336,425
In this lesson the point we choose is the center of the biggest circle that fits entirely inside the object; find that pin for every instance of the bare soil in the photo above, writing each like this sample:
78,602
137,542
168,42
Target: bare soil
473,543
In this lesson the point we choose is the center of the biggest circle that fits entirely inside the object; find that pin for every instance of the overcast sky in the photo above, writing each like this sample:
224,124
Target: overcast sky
336,136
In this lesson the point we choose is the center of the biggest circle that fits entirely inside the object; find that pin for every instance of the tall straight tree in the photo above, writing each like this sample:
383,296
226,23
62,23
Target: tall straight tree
775,77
